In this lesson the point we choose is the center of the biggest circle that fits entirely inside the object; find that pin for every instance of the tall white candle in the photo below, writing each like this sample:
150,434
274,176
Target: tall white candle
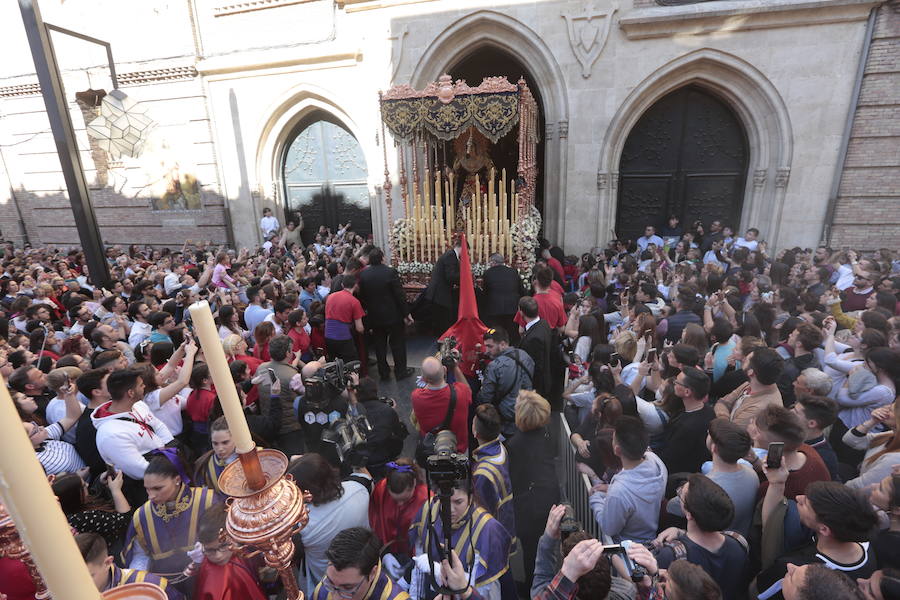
208,336
35,510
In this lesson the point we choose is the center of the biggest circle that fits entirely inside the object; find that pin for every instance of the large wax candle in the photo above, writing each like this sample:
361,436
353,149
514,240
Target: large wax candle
208,336
39,519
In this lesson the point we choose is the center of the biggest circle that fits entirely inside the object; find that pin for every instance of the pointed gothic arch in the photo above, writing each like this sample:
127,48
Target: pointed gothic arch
280,126
490,28
754,100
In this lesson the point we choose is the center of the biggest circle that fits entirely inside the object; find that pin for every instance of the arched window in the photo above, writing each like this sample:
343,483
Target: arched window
324,173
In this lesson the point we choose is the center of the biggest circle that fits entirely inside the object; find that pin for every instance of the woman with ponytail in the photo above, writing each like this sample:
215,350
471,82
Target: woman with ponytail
164,529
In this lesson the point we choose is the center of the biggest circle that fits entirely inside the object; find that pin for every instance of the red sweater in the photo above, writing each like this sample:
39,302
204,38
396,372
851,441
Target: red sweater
391,521
430,407
813,470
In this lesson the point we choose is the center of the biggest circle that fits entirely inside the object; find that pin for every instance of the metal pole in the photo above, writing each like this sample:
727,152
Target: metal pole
64,135
93,40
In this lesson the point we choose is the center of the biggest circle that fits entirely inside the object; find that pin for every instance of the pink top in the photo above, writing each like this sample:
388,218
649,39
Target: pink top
220,277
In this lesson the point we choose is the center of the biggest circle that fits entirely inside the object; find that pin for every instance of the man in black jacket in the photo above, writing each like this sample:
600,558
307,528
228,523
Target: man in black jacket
502,289
536,341
684,450
386,313
443,289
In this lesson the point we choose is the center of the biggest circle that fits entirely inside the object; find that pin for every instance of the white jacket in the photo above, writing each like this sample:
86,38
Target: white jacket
124,438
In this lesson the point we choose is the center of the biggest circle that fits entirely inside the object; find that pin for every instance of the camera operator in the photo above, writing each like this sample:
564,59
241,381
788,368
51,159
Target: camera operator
319,406
387,434
510,370
473,531
431,404
596,582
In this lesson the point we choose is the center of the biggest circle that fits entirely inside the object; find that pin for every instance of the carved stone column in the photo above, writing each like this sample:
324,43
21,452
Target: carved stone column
782,176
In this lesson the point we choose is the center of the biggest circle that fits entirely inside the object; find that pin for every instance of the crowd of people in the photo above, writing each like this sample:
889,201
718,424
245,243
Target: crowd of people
734,412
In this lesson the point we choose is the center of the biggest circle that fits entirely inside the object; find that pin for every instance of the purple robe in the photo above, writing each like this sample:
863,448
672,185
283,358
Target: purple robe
490,478
212,471
479,533
119,577
167,543
382,588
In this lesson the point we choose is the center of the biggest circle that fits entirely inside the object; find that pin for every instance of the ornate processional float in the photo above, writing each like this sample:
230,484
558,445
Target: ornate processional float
444,135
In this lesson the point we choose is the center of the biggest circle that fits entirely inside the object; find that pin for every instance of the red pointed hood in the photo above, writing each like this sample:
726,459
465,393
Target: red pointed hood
468,329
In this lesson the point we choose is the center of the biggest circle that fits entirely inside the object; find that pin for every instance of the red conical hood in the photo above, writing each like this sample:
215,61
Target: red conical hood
468,329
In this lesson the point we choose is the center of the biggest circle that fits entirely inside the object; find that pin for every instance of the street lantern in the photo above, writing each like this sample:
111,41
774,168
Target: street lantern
122,127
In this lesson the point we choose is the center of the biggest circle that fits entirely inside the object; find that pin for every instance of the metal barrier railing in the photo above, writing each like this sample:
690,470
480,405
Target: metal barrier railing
576,487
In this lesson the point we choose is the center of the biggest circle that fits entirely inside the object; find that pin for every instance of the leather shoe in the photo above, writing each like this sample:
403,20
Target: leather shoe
404,373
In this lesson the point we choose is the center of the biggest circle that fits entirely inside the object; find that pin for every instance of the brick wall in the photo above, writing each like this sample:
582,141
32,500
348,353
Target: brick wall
867,214
121,196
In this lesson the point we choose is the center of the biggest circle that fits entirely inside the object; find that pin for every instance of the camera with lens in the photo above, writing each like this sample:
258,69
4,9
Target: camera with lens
445,466
636,571
482,358
347,439
446,352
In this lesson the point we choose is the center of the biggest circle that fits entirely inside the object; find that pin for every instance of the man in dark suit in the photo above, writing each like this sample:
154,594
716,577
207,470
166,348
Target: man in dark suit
386,313
443,289
536,342
502,289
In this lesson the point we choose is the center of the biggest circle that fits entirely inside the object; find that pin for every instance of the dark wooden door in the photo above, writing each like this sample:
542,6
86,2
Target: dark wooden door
686,156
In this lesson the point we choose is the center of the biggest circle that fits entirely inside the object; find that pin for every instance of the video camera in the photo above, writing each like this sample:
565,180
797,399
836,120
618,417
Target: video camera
348,437
328,382
445,349
482,359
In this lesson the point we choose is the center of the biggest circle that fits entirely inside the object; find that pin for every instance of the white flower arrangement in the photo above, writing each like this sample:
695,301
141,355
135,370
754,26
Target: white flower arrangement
400,232
408,268
525,240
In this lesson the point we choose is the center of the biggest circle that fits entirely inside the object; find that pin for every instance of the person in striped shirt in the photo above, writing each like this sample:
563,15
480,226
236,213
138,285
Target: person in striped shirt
55,455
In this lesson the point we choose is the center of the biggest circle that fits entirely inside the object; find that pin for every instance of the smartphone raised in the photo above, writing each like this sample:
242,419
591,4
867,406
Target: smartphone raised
651,355
776,452
272,375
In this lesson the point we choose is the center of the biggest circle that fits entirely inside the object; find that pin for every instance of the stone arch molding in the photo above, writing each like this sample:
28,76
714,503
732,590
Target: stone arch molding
756,102
279,122
485,28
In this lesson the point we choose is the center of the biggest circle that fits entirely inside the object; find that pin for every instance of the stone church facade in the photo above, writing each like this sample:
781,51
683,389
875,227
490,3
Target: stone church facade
778,114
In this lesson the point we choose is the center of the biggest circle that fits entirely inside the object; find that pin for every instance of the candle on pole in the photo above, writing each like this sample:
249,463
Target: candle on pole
208,336
40,521
429,223
451,193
